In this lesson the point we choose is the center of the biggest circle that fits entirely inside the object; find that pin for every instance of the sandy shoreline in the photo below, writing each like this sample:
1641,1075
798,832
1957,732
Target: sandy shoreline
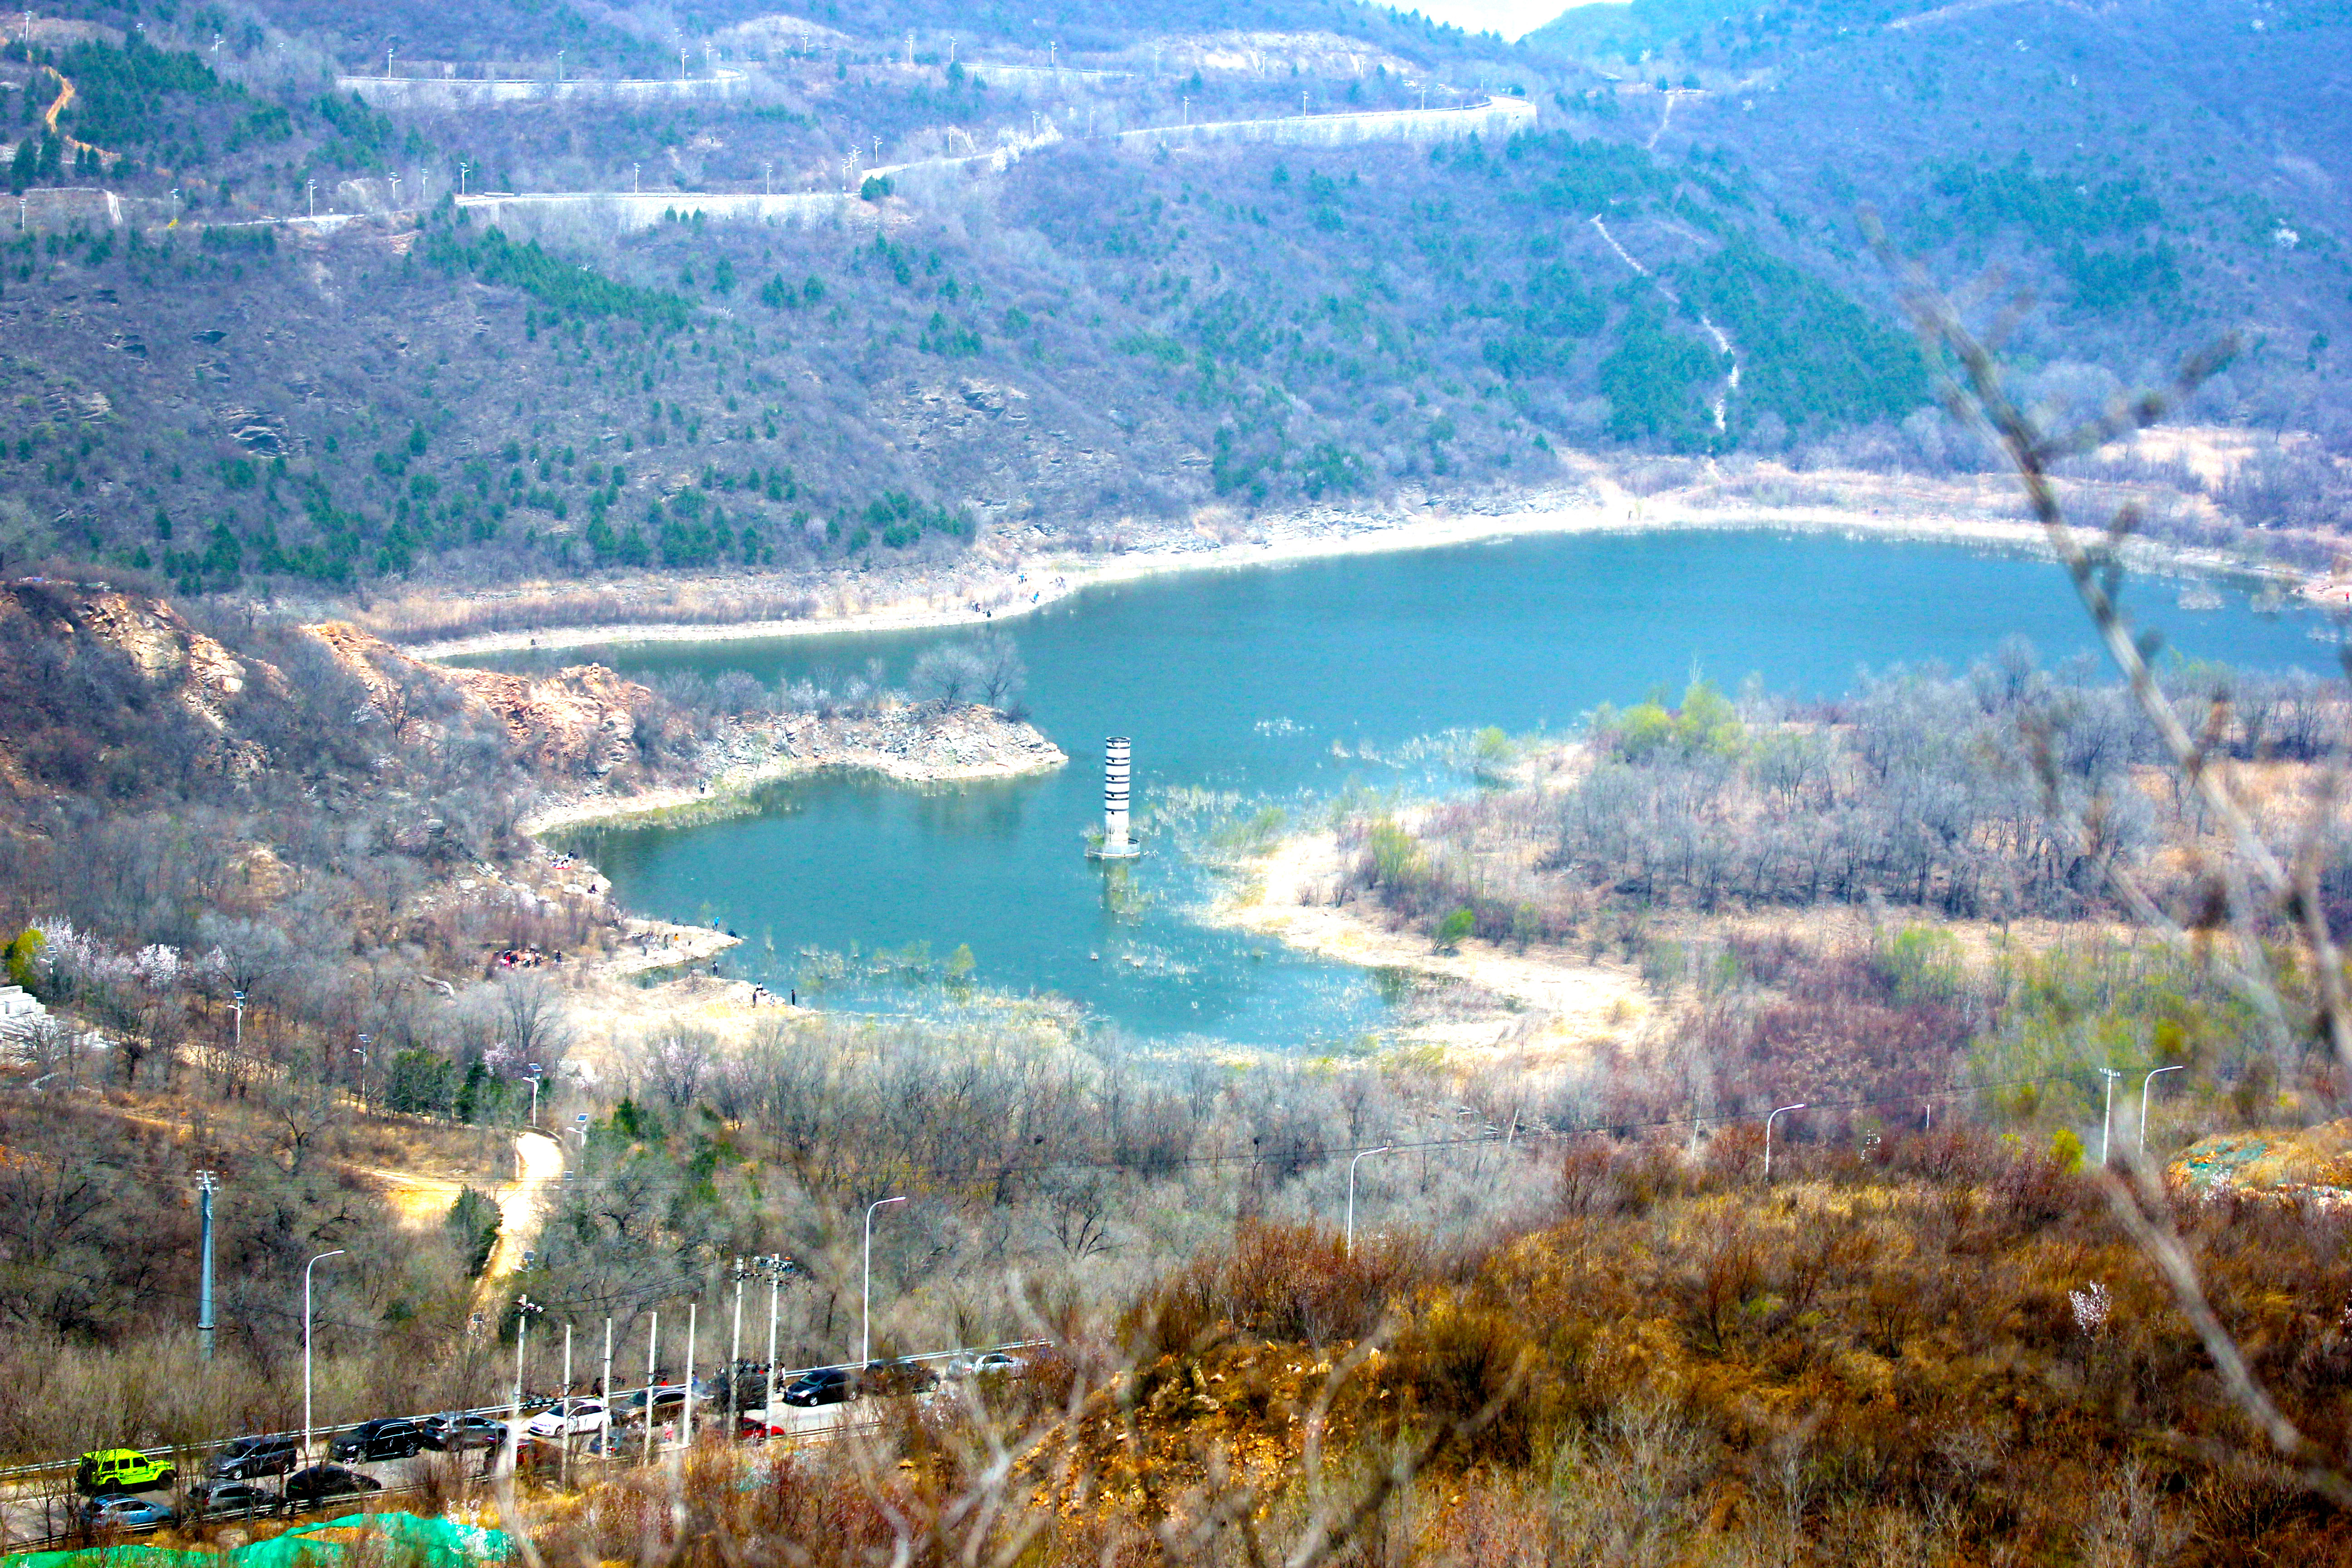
1540,1007
1051,576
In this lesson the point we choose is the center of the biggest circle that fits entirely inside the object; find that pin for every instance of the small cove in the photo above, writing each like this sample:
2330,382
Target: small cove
1291,685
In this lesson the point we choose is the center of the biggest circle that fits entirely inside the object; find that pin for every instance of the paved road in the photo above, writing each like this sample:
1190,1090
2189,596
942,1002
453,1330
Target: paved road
29,1515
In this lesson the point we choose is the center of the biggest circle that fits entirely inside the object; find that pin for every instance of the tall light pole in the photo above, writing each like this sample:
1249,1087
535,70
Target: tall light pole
735,1345
605,1391
865,1314
686,1428
775,1265
306,1344
652,1363
563,1398
1350,1247
2107,1122
1767,1137
2143,1116
535,1071
524,1308
206,1184
237,1000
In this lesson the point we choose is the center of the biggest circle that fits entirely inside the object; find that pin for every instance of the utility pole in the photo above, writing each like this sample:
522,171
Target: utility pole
865,1314
633,177
237,1000
206,1184
314,197
388,51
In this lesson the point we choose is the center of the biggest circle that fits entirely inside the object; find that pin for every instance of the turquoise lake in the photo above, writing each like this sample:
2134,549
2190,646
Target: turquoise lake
1284,684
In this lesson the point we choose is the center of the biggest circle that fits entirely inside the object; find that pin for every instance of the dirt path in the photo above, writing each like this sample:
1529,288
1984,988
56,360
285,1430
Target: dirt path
522,1207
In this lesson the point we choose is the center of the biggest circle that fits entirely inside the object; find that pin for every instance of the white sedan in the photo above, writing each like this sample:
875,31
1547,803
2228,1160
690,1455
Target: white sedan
568,1418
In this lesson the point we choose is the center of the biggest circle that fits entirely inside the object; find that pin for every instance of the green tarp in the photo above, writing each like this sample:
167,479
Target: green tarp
382,1540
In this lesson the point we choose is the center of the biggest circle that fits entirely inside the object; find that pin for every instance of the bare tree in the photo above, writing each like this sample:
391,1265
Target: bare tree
2252,889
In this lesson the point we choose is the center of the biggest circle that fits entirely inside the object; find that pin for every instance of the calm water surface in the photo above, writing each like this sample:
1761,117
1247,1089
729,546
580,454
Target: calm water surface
1284,683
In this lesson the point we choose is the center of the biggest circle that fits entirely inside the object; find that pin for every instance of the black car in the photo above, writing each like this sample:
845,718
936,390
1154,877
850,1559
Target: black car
234,1499
455,1432
385,1438
246,1457
826,1386
309,1488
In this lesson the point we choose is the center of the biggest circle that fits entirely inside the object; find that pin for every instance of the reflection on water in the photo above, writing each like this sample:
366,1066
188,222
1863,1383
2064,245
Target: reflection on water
1258,697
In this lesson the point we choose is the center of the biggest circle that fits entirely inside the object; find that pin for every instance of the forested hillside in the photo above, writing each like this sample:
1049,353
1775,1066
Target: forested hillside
1086,330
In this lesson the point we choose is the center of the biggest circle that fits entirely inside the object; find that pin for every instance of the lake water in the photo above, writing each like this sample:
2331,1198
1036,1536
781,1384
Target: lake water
1293,683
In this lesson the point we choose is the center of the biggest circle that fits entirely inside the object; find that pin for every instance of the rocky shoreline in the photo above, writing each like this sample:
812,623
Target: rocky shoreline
912,743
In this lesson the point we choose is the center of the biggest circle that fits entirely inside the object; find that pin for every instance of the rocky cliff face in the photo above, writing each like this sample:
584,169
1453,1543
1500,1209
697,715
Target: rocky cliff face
581,721
86,672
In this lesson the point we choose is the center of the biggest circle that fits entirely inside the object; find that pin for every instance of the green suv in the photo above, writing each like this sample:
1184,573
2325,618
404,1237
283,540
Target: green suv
123,1470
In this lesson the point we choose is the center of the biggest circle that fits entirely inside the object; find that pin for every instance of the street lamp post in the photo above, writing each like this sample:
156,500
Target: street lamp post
237,1000
1767,1137
2107,1121
524,1308
306,1345
735,1347
775,1266
1351,1246
866,1313
2143,1103
535,1070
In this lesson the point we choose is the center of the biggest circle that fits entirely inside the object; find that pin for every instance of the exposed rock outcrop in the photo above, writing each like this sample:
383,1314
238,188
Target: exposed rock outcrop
581,720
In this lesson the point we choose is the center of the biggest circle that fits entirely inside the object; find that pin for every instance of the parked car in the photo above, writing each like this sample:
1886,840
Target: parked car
309,1487
385,1438
996,1363
456,1432
824,1386
246,1457
234,1499
667,1396
123,1470
569,1418
119,1510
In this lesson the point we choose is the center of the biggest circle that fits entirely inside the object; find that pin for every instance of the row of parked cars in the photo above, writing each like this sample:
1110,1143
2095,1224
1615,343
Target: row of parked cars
114,1478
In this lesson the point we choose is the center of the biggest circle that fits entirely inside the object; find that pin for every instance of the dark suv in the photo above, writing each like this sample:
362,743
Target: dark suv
386,1438
246,1457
